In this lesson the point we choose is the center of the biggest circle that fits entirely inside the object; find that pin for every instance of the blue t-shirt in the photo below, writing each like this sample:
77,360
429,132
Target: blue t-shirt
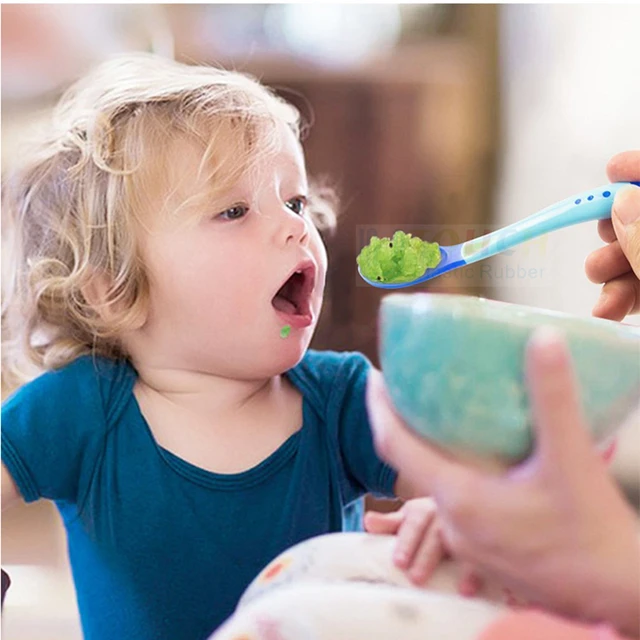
162,549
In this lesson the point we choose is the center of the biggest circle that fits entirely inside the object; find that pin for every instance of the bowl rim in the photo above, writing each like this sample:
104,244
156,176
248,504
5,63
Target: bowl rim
522,315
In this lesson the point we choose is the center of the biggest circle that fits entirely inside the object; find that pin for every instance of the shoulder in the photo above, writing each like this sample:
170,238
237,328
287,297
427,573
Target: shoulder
54,428
329,367
329,375
91,382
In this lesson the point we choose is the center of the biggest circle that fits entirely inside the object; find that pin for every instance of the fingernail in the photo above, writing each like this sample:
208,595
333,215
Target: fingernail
546,334
547,338
626,213
417,577
549,347
609,452
600,302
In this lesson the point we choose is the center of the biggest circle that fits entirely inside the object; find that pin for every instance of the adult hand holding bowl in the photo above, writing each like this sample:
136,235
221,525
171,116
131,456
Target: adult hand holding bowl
554,529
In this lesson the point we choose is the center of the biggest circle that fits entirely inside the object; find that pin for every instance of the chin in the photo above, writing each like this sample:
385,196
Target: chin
288,352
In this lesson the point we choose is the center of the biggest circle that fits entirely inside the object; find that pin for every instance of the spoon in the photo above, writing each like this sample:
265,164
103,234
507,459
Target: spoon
584,207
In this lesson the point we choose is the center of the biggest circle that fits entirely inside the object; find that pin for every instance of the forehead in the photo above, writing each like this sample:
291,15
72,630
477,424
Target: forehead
283,158
206,164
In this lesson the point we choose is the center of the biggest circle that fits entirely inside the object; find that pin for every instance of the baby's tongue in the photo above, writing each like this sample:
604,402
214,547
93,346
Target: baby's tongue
284,305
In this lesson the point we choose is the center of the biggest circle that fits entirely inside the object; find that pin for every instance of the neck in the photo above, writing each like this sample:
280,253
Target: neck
203,393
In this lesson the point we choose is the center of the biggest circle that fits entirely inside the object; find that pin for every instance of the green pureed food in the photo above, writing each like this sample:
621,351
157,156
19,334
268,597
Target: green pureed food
285,331
399,259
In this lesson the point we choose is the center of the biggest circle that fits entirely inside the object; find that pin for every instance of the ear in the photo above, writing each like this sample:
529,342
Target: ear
96,294
96,291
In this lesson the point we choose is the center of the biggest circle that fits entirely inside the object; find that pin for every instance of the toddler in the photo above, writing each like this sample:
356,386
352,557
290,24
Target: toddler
160,238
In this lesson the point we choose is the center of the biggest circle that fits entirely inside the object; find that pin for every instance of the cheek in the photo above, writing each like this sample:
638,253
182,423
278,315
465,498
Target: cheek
181,268
212,284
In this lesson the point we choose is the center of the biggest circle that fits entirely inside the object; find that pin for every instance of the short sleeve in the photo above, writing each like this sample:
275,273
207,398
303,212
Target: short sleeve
53,430
366,472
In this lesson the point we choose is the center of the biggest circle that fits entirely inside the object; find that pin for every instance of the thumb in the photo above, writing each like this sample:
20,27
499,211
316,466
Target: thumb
625,215
376,522
424,467
563,441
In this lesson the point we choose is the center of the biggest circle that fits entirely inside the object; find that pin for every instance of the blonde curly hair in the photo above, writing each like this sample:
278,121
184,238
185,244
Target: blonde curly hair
71,205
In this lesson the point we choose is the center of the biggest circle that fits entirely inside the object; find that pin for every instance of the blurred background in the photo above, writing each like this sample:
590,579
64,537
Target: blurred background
443,120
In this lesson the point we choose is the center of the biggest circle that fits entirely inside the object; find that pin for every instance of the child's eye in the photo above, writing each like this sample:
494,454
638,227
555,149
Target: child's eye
234,213
297,204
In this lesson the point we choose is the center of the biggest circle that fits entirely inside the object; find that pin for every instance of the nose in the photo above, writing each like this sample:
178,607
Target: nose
292,228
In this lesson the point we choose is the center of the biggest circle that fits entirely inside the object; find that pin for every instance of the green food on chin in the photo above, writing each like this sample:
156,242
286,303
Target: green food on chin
398,259
285,331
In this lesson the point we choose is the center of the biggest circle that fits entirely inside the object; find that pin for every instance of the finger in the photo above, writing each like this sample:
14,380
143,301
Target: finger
624,167
470,582
428,469
625,216
619,298
382,523
563,442
427,557
606,263
605,230
609,452
412,532
512,601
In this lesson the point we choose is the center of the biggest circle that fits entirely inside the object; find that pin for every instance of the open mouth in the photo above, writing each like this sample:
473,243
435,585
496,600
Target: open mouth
293,298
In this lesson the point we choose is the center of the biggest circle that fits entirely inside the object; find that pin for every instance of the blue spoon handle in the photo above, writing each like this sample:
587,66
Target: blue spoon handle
590,205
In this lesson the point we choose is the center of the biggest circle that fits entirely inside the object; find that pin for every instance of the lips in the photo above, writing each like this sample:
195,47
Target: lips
293,298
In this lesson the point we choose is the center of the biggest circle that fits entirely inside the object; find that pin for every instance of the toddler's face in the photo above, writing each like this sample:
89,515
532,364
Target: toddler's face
221,289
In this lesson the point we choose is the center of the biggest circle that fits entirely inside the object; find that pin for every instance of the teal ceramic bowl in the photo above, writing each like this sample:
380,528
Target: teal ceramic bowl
454,369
